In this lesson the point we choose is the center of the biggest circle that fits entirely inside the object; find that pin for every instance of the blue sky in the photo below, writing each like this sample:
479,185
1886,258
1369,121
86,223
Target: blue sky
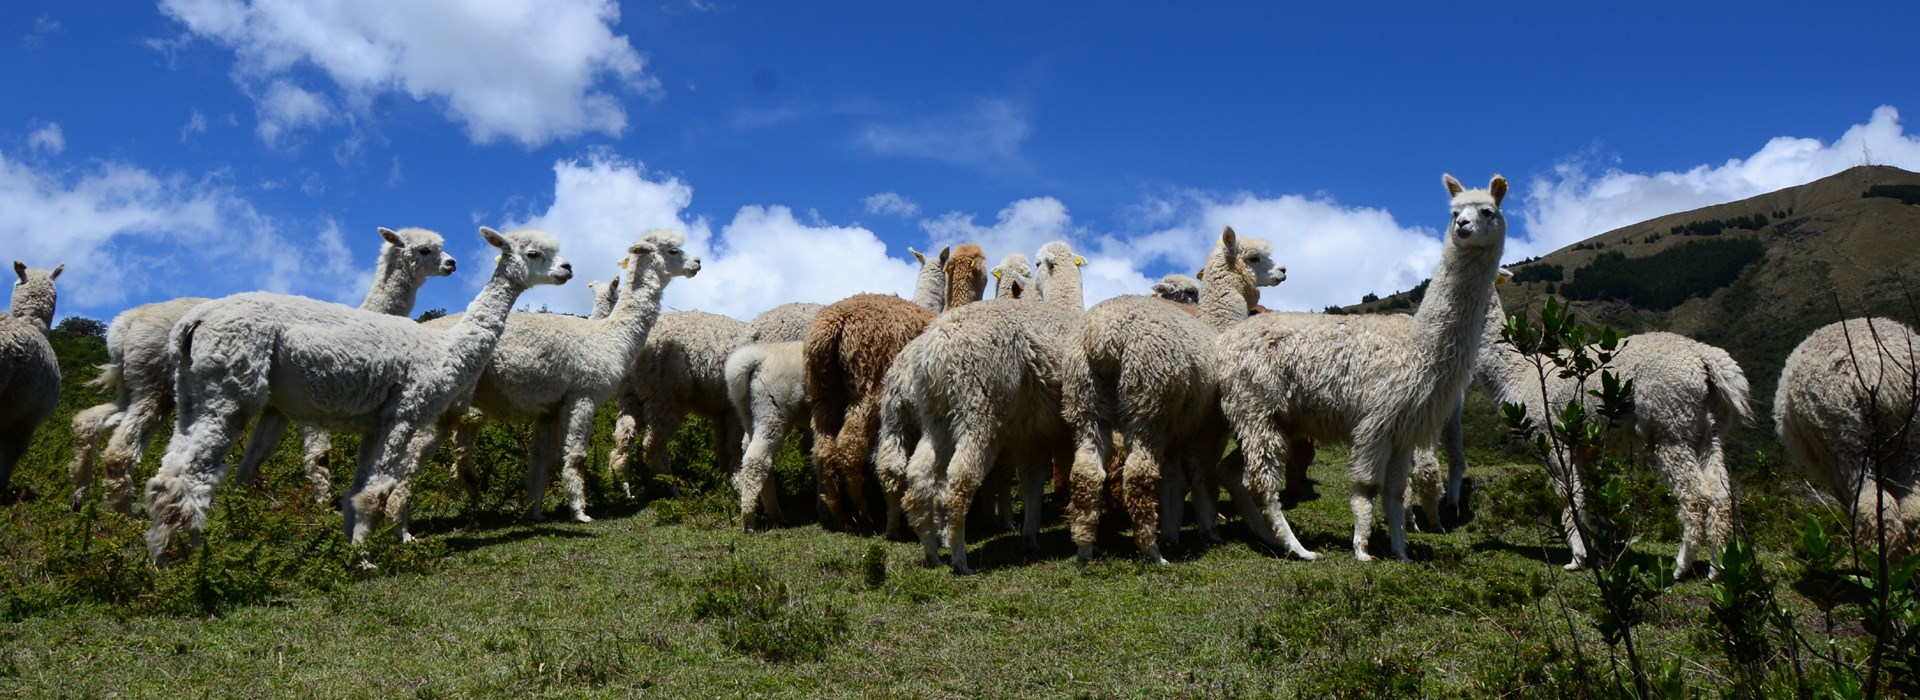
205,147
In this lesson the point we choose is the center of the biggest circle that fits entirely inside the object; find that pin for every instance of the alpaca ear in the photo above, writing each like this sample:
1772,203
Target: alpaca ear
641,248
944,253
1229,239
57,269
493,238
1201,275
917,255
1499,189
20,268
979,265
614,284
1453,186
390,236
1504,277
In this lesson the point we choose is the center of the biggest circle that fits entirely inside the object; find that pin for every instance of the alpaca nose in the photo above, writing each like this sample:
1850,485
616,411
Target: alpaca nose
452,265
566,266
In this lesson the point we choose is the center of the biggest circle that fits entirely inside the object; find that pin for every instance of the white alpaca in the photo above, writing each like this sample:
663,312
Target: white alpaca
605,295
1013,277
982,378
29,372
930,285
554,371
1383,385
768,386
332,366
681,370
783,323
1144,369
1846,399
1686,395
141,375
1178,288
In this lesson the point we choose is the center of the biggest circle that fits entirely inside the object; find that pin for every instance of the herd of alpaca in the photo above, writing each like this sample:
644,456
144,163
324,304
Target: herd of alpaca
929,413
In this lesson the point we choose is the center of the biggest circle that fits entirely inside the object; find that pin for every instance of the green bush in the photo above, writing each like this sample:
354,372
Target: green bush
1665,279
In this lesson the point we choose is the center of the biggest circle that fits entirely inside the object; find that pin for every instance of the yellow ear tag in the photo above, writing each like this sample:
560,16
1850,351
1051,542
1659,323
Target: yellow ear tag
592,283
1077,261
996,273
496,258
623,263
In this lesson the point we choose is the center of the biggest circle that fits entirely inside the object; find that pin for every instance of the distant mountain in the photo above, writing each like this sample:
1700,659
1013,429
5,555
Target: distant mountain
1753,276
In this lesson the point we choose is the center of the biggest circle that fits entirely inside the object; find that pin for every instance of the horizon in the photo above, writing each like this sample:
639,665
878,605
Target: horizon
210,147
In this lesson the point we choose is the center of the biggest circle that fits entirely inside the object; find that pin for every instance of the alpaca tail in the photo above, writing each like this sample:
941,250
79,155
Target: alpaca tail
110,377
1727,387
742,365
826,379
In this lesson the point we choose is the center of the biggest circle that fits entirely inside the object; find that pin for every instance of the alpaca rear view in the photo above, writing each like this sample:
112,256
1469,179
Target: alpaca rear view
29,372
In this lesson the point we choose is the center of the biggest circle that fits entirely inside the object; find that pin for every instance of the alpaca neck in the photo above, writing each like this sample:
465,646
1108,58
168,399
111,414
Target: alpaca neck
930,291
1227,295
471,340
633,315
36,311
965,289
1064,291
1500,370
1452,318
393,288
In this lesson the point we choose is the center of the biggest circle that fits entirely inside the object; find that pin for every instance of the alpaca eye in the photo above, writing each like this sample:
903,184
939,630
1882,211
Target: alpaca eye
1253,258
425,251
1486,212
533,255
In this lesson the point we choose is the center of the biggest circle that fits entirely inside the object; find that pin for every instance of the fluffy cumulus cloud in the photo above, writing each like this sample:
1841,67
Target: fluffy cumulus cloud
129,235
526,70
1576,201
763,258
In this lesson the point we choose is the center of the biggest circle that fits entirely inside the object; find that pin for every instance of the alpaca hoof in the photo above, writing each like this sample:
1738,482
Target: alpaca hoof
1084,555
78,500
962,570
1574,566
582,517
626,490
1033,544
536,517
1306,555
365,564
1362,556
932,562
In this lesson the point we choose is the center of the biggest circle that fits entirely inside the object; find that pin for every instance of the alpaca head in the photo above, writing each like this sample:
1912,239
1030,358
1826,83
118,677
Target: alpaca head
33,295
528,257
417,251
605,295
966,274
1255,253
660,253
1180,288
1013,276
1057,266
1477,221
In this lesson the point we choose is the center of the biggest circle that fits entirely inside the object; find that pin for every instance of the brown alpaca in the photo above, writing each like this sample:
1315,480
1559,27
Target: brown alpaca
848,350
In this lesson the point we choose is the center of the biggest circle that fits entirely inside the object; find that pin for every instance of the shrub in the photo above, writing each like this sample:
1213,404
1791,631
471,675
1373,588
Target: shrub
759,615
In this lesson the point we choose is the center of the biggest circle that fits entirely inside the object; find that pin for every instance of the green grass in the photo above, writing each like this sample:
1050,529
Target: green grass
668,597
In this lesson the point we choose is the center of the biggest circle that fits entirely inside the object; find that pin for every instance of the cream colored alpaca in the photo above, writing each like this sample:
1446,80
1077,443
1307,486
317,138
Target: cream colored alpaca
29,372
1383,385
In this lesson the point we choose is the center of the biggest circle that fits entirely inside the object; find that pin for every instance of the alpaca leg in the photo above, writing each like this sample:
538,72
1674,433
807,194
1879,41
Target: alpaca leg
1265,454
268,431
384,497
1717,491
626,426
1453,438
1175,482
1141,477
465,427
1394,499
578,439
1203,479
540,457
1370,458
1567,481
129,441
972,456
751,479
769,494
1035,470
1684,475
177,497
91,429
661,426
352,519
1088,495
316,458
926,474
1301,453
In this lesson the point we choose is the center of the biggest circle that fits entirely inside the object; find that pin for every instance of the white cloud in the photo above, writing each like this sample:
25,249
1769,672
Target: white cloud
986,138
129,235
892,204
196,124
47,139
1575,203
43,27
763,258
526,70
285,107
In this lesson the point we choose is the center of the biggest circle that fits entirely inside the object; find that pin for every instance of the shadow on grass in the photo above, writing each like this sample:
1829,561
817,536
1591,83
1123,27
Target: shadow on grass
461,543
